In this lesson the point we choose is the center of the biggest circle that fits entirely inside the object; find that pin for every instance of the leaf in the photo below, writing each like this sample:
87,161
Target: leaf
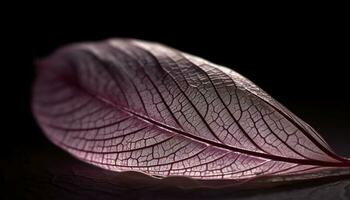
133,105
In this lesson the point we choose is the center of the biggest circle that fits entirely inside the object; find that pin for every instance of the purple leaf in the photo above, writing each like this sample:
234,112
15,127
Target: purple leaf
133,105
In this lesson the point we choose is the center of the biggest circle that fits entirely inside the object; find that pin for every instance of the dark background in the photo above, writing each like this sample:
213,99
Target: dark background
300,60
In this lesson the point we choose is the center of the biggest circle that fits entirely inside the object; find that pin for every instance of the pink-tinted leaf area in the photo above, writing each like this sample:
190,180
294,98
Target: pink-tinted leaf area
133,105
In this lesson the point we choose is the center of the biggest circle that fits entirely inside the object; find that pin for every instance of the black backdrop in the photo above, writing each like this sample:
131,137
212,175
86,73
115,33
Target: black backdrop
301,62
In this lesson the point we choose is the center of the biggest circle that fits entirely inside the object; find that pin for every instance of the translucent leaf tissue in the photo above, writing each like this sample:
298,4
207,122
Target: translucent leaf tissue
125,104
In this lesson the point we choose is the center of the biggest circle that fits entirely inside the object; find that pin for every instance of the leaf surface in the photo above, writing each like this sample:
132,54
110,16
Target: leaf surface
133,105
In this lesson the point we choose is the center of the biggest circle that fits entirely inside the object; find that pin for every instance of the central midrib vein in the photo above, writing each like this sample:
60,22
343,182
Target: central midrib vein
219,145
210,142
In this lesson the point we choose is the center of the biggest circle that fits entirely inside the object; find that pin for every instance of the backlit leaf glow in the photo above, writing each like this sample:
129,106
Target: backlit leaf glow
134,105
